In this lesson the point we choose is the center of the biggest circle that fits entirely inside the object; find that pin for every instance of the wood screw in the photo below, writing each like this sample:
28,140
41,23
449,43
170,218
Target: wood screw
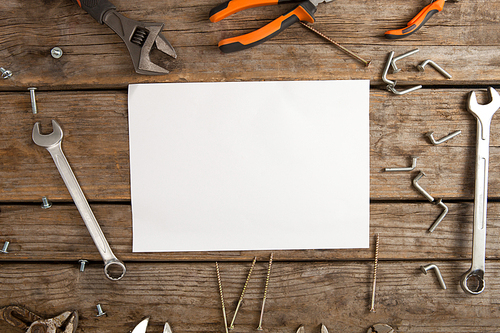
46,204
265,293
82,262
5,247
5,73
221,295
33,99
243,293
375,267
100,313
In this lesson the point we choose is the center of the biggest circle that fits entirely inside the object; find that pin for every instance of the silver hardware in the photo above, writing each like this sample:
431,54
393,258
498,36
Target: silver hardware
426,268
421,68
380,328
56,52
419,188
375,267
444,139
33,99
412,167
395,69
100,313
473,280
5,247
52,142
5,73
393,89
82,262
386,70
46,204
441,216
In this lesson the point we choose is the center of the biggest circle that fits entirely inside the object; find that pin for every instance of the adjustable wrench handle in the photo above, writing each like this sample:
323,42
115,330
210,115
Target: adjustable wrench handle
110,260
96,8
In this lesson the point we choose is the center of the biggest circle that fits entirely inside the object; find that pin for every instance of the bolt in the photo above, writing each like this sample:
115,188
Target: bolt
5,246
46,204
82,264
56,52
421,68
438,273
33,99
5,73
100,313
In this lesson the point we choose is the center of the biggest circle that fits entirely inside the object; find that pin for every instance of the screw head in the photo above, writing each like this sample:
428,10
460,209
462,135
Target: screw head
5,73
56,52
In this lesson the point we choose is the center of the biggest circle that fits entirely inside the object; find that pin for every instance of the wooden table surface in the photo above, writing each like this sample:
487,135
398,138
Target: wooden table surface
86,91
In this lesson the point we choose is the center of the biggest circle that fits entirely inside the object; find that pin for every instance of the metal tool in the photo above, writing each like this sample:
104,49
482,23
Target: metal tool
143,325
303,12
419,188
441,216
426,268
301,329
421,68
473,280
412,167
30,322
380,328
395,69
113,267
138,36
430,135
392,84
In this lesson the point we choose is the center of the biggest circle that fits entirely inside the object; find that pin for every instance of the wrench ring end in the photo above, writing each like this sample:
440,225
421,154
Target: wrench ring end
476,277
115,270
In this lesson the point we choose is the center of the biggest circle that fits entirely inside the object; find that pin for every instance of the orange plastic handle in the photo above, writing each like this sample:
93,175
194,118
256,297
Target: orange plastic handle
418,21
304,12
233,6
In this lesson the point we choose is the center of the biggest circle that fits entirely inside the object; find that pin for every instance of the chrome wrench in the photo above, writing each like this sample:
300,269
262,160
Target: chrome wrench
473,280
113,267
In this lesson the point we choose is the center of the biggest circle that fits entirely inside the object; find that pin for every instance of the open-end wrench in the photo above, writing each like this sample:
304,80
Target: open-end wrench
113,267
473,280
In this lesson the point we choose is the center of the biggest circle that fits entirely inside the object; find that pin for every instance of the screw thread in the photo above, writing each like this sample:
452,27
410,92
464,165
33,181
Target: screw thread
221,295
265,292
375,267
243,292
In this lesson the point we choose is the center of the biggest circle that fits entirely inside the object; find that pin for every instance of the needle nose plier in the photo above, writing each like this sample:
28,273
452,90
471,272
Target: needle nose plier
418,21
303,12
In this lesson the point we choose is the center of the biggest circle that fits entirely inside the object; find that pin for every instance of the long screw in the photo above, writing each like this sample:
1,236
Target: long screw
221,295
265,292
243,293
352,54
375,266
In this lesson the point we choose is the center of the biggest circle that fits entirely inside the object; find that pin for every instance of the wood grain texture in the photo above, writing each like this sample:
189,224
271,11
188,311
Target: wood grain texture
463,39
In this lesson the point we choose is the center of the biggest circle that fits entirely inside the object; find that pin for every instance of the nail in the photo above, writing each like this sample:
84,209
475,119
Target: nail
352,54
33,100
375,266
243,293
5,247
221,295
413,166
436,270
100,313
444,139
259,328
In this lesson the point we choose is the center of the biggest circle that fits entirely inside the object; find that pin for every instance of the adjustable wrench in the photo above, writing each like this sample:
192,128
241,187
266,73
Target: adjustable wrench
52,142
473,280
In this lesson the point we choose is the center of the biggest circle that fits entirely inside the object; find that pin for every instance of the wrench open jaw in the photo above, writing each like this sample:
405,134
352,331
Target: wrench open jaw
113,267
473,280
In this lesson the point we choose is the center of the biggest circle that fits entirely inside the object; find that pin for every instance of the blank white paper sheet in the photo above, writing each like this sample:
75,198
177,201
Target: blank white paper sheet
249,165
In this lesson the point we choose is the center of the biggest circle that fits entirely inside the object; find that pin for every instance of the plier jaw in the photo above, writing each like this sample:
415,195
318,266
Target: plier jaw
30,322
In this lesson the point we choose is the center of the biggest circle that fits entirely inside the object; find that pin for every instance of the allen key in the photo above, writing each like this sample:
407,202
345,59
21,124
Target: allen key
430,135
420,189
411,168
440,203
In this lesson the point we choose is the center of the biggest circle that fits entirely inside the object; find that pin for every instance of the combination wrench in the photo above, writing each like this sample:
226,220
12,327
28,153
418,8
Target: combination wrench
473,280
113,267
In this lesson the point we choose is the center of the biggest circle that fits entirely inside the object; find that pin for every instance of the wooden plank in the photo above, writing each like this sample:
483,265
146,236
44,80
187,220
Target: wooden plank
463,39
59,233
186,295
96,144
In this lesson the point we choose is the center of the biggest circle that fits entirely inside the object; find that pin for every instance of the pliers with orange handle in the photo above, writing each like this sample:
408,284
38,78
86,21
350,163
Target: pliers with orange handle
418,21
303,12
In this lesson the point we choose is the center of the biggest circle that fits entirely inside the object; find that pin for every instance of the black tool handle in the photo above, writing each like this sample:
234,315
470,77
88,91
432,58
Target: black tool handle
96,8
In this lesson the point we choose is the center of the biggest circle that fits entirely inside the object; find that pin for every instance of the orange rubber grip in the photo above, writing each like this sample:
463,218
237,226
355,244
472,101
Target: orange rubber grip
301,13
418,21
233,6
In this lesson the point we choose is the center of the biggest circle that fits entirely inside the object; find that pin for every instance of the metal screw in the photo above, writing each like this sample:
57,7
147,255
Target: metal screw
265,292
352,54
5,73
221,295
56,52
82,264
413,166
5,247
395,69
446,138
243,293
419,188
46,204
441,216
421,68
375,266
33,99
100,313
436,270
